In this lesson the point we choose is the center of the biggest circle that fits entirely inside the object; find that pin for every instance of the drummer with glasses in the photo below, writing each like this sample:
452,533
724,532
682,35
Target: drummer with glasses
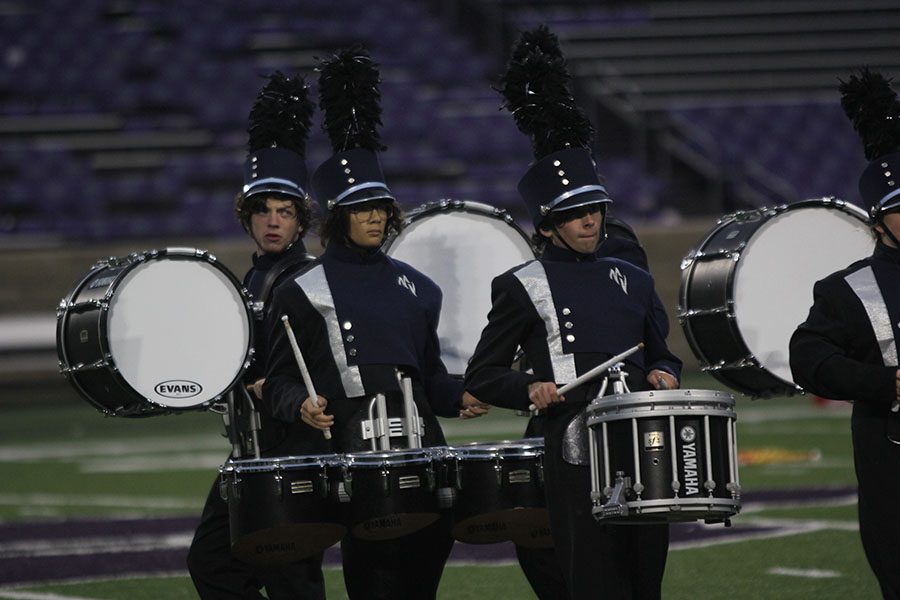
360,317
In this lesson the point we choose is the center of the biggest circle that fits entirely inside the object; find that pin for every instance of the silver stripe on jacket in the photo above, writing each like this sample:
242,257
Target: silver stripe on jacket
534,279
315,286
865,286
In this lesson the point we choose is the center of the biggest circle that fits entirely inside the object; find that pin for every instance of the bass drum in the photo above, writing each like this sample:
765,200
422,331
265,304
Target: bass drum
156,332
748,285
462,246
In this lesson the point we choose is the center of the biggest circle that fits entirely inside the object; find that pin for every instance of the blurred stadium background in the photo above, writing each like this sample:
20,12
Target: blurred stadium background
123,129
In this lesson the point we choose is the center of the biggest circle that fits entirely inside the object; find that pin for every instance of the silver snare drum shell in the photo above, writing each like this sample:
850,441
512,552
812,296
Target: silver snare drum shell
499,493
391,493
283,509
664,456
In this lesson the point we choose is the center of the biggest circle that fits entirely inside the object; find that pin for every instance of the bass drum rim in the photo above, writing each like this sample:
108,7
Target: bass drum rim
718,270
138,404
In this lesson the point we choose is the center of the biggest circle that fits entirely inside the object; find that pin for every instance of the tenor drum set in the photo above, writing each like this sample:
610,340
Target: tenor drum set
171,330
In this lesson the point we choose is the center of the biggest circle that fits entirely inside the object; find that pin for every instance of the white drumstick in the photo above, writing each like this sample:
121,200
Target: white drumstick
594,372
303,370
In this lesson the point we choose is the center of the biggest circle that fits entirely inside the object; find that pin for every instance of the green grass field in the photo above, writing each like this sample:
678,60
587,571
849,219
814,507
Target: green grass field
65,461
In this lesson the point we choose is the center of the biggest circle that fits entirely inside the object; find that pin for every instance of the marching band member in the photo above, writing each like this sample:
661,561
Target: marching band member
569,311
359,315
274,209
847,347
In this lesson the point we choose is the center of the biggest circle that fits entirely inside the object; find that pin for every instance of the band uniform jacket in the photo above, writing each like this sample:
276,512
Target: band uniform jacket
357,315
275,436
568,314
847,350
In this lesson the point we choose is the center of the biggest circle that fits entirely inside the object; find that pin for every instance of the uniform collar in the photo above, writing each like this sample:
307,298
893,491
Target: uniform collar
886,253
354,254
556,254
267,259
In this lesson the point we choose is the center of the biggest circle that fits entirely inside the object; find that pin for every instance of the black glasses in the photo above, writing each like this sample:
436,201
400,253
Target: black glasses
364,211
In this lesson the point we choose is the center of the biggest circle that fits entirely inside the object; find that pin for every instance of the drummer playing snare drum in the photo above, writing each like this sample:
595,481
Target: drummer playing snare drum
569,311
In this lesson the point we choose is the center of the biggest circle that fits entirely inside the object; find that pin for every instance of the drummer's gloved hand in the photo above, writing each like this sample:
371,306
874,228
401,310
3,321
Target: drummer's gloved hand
471,407
662,380
315,416
543,393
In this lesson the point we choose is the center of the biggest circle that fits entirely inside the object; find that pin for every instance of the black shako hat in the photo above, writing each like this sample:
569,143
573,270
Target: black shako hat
350,99
536,90
279,125
560,181
349,178
871,104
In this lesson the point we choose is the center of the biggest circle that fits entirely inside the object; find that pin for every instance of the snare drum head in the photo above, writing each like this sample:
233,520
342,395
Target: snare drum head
778,268
178,330
461,246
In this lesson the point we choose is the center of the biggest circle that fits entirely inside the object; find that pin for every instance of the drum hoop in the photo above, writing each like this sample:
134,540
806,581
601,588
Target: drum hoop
525,448
661,505
674,403
762,216
258,465
447,205
131,262
378,458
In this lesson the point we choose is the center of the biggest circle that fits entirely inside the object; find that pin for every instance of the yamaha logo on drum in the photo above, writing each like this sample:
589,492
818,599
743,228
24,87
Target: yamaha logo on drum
177,388
688,434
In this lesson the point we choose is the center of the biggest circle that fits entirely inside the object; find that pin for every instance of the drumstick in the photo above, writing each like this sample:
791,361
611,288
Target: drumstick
303,370
594,372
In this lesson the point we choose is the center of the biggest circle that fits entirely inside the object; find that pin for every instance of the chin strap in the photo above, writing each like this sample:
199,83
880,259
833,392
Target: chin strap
886,230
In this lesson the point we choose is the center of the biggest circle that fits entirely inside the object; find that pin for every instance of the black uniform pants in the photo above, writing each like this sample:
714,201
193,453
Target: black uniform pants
217,575
540,565
409,567
877,462
599,561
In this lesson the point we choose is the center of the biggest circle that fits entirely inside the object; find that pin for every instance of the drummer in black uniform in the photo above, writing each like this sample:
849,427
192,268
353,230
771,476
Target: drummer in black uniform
274,210
359,317
540,565
847,347
569,311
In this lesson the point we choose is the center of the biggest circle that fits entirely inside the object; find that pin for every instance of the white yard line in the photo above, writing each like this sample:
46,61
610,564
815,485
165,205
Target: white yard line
809,573
94,545
70,450
13,595
110,501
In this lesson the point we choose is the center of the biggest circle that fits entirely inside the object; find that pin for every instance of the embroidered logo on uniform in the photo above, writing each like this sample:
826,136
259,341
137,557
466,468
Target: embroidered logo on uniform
616,275
404,281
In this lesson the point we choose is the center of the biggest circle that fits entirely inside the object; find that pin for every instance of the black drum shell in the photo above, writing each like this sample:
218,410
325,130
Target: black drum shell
281,515
81,340
499,499
390,500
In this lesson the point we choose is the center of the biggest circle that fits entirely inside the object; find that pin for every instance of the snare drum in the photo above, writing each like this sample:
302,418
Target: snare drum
664,456
155,332
281,510
462,246
748,285
391,493
499,493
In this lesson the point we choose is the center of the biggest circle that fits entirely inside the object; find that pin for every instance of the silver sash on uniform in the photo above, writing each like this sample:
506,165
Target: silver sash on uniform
315,286
865,286
534,279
